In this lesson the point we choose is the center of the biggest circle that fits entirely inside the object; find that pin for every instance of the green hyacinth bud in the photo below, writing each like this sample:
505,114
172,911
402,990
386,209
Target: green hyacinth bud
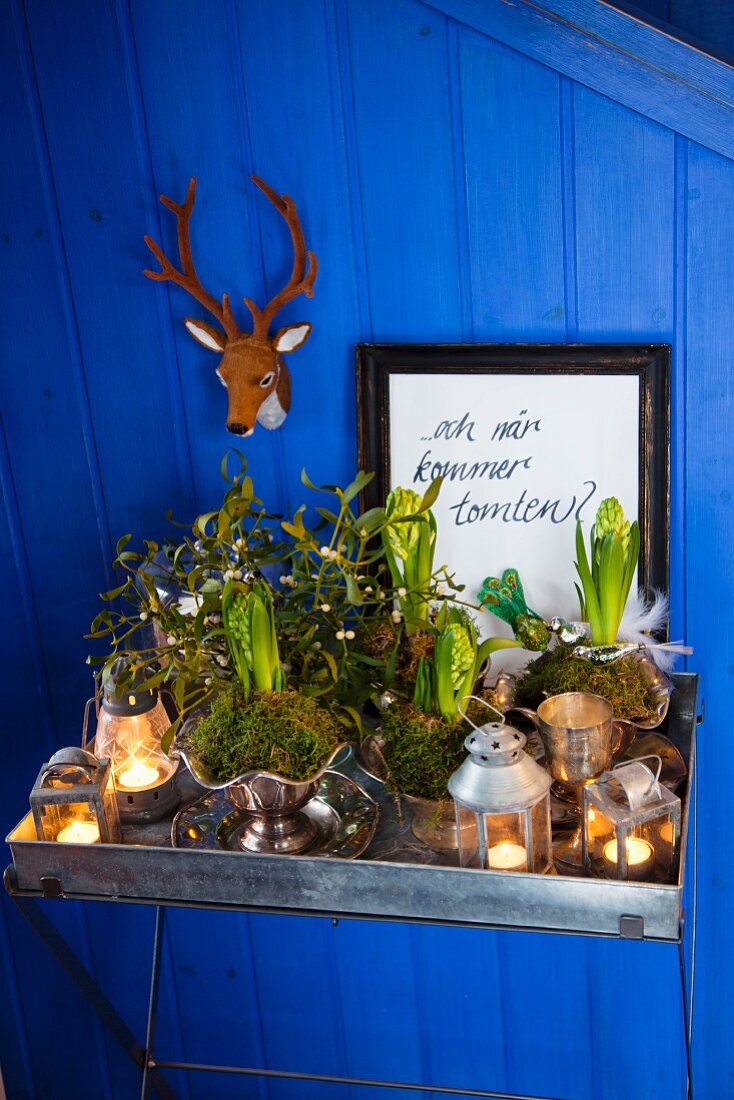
462,655
610,520
403,537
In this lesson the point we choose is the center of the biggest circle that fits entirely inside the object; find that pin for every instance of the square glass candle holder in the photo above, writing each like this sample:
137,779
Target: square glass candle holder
630,826
73,800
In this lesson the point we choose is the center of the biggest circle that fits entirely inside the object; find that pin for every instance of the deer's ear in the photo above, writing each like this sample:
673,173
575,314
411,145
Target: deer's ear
291,337
206,335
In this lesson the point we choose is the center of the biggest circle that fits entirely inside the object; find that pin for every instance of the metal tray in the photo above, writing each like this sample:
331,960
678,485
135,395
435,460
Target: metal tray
396,879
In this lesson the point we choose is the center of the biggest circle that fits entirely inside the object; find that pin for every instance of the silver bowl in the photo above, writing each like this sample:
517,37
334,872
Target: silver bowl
274,802
660,685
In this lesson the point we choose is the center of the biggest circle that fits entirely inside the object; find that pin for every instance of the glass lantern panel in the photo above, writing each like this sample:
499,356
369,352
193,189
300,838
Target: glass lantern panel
111,813
505,847
468,834
133,744
542,844
70,822
599,830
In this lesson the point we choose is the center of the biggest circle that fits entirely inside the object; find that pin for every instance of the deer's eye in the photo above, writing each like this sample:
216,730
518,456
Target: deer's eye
264,382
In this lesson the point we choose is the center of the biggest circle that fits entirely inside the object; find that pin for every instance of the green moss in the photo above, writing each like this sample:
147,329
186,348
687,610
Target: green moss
282,732
622,682
421,751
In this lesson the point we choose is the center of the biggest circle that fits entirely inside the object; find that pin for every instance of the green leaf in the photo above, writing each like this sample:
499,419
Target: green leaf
354,596
590,594
331,663
493,645
113,593
360,482
122,543
611,573
355,716
370,520
331,517
431,494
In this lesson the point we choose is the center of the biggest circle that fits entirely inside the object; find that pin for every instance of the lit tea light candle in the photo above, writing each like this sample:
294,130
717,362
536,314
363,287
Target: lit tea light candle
639,858
507,857
79,832
137,776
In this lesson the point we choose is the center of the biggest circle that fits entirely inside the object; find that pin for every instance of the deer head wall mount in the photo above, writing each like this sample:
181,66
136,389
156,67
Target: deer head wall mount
251,368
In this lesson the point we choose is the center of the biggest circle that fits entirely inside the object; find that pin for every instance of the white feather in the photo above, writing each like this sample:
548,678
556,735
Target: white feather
642,621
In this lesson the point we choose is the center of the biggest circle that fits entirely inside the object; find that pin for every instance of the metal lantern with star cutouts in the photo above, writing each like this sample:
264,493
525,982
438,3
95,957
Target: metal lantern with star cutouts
502,803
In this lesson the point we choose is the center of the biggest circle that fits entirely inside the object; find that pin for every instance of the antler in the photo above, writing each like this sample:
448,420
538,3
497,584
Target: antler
302,278
187,278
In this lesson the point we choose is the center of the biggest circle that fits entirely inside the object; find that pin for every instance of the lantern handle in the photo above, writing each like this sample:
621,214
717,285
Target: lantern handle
478,699
87,712
638,760
636,774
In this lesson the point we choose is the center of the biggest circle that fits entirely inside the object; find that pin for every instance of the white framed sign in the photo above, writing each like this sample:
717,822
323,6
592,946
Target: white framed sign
527,438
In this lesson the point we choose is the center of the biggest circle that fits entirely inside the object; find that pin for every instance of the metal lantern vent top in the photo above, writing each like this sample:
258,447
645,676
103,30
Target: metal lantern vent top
130,726
502,802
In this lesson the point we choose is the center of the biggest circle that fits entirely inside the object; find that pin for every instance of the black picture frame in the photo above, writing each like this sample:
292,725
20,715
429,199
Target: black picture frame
650,363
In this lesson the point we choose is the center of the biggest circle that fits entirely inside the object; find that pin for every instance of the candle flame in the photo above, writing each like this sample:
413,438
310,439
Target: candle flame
137,776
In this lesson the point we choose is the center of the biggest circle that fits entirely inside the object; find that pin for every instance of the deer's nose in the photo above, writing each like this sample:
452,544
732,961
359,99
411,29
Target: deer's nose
239,429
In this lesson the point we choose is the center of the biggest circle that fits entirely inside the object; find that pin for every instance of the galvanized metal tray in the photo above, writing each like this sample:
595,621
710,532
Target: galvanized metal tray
397,878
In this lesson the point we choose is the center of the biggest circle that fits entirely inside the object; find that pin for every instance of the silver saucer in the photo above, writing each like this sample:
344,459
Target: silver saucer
343,813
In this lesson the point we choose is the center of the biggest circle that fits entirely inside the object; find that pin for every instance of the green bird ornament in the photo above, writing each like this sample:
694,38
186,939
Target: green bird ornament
504,597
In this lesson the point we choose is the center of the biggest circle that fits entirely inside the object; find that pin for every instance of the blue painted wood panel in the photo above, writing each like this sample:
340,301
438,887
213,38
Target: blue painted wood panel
456,184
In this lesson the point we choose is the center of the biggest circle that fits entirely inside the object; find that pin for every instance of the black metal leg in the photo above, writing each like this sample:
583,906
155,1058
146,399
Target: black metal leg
85,983
149,1066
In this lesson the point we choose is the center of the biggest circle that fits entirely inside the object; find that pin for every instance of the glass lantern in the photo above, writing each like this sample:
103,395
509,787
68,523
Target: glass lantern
502,803
130,727
73,800
631,825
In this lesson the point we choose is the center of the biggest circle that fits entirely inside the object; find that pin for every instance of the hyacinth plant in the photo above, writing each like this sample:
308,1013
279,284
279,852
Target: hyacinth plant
409,543
607,572
450,675
249,627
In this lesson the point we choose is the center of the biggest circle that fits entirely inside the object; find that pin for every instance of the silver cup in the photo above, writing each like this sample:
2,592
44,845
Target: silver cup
580,736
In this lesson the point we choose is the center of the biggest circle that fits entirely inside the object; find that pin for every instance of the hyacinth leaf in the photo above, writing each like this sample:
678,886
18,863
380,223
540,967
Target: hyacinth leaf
260,634
423,693
633,553
431,494
611,572
490,646
445,697
587,583
582,603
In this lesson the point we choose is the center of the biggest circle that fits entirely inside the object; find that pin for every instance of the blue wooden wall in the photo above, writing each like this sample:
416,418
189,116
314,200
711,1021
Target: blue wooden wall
461,177
711,22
